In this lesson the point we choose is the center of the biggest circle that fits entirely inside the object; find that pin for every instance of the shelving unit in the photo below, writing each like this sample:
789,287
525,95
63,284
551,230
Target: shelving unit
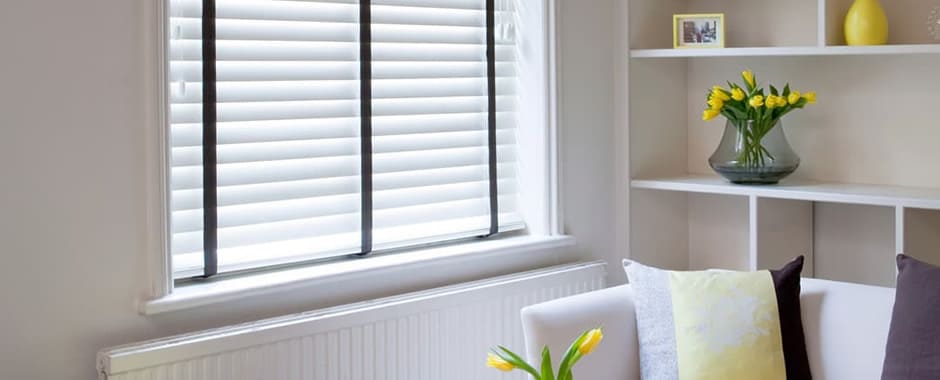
868,187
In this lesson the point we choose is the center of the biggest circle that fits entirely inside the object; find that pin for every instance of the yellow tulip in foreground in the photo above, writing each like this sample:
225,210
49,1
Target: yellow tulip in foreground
494,361
738,94
503,359
593,338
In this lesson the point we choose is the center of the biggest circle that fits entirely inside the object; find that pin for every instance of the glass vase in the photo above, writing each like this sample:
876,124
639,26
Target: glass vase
751,155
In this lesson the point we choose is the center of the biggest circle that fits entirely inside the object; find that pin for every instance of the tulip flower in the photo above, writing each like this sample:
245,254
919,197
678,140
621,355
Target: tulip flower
794,97
718,93
497,362
716,103
757,101
738,94
593,338
810,97
748,76
710,114
771,102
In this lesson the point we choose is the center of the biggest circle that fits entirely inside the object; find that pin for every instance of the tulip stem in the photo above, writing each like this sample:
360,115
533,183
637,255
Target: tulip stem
753,153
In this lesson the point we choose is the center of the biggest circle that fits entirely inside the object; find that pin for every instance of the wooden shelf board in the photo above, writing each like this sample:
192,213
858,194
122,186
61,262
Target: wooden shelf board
875,195
795,51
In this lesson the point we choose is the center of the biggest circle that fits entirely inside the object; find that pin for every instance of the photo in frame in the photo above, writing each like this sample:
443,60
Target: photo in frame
698,31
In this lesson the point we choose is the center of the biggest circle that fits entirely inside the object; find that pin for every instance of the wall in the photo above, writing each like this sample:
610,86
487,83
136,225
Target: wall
74,106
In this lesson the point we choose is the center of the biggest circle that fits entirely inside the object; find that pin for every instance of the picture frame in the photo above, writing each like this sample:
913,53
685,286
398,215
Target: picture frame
698,31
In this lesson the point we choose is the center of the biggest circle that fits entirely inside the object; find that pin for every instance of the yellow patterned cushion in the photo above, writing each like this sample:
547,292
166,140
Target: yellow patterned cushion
727,326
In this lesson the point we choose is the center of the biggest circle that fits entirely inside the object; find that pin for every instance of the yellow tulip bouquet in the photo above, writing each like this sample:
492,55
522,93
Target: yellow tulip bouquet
503,359
753,112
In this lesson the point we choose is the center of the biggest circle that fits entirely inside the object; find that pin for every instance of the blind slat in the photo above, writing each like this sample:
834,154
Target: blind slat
297,149
324,206
320,11
231,92
330,167
191,199
181,71
254,111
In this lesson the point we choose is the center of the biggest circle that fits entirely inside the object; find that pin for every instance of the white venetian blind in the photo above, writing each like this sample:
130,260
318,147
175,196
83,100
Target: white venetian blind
289,178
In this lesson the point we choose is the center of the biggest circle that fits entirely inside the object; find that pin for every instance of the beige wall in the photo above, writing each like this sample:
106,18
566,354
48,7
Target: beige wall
73,146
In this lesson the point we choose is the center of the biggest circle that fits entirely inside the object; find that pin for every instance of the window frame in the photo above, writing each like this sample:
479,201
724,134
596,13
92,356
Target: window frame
541,210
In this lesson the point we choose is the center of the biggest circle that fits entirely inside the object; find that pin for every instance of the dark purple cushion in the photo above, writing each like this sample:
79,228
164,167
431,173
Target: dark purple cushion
913,350
787,286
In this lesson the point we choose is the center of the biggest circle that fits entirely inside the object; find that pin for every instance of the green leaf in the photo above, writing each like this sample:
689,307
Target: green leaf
547,365
786,91
773,91
516,360
569,355
574,360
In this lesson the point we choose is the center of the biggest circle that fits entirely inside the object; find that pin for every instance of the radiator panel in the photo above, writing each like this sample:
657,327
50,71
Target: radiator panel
432,335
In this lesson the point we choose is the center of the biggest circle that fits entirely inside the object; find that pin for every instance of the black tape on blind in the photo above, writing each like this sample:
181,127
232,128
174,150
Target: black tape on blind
365,133
491,97
209,141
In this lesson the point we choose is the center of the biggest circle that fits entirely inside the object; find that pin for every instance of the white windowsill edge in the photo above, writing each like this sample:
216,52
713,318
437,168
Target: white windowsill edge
202,294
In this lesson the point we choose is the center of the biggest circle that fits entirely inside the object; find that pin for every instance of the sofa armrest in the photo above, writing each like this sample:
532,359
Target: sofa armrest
557,323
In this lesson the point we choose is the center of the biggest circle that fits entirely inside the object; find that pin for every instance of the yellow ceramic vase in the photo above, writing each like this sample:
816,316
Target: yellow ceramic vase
866,24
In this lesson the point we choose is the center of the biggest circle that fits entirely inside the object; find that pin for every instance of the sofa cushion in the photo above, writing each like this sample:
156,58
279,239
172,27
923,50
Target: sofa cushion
913,349
728,325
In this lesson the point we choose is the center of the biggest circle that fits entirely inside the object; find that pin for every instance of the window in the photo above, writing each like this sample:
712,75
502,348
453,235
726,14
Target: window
307,130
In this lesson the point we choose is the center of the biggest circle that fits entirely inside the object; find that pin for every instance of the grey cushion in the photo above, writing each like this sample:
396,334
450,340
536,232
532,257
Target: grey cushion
913,349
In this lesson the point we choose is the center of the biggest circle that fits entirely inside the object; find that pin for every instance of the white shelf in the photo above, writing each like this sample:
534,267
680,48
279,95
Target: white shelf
875,195
788,51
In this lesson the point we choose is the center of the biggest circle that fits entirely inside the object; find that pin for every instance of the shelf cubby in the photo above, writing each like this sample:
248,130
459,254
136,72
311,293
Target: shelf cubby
748,23
907,21
854,243
921,234
691,231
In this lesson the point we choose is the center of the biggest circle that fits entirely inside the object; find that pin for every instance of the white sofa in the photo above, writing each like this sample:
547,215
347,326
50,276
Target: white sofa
846,327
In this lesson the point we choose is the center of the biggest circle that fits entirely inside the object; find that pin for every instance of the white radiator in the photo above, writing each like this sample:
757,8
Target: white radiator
441,334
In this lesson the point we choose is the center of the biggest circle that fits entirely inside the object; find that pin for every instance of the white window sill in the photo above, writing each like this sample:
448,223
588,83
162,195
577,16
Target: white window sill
201,294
